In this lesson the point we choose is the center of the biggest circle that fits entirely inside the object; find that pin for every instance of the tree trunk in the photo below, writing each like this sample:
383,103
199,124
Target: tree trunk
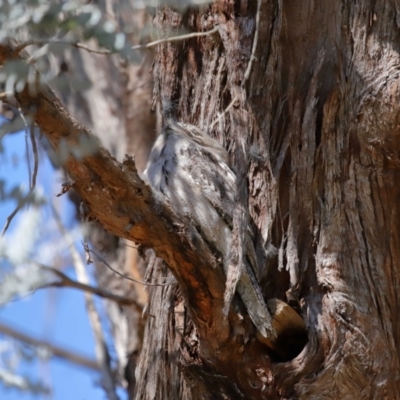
321,173
304,97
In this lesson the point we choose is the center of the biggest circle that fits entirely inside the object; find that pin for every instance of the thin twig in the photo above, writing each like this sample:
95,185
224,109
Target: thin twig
20,205
103,260
35,156
28,159
174,39
66,281
54,350
28,197
43,42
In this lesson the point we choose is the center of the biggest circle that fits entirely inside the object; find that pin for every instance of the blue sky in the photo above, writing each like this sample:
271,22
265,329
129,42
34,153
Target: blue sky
55,315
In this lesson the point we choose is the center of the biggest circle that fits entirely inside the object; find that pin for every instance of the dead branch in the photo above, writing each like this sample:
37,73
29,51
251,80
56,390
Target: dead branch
55,351
66,281
103,260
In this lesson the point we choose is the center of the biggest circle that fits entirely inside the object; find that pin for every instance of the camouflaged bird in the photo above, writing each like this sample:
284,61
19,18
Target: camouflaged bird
191,170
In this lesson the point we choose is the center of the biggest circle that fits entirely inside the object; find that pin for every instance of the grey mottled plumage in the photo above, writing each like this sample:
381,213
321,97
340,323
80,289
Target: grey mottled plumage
191,170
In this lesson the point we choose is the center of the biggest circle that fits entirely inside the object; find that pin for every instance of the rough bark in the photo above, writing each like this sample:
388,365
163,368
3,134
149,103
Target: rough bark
317,122
321,172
